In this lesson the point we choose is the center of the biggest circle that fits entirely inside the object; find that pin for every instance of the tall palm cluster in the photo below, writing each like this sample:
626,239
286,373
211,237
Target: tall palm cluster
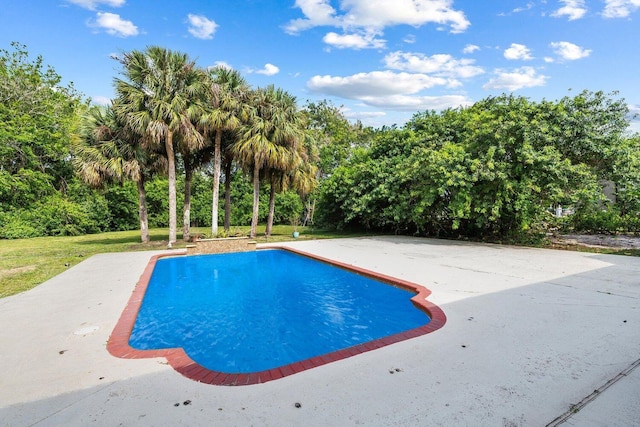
168,110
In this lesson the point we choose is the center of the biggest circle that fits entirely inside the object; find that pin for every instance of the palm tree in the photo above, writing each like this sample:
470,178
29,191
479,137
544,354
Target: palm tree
225,111
229,138
290,172
193,157
158,98
300,176
109,152
190,162
274,127
228,169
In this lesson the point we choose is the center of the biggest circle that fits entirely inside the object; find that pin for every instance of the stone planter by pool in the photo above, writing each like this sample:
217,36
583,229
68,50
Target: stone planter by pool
221,245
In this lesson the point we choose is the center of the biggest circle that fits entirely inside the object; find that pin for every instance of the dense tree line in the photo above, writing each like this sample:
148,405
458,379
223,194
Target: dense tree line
498,168
201,144
38,118
172,126
170,113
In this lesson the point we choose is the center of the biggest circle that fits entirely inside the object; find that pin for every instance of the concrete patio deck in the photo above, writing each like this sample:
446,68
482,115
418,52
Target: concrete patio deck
529,333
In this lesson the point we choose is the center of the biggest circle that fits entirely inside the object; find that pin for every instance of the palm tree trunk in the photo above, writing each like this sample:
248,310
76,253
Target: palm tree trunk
227,194
256,198
217,160
272,207
171,159
186,213
142,210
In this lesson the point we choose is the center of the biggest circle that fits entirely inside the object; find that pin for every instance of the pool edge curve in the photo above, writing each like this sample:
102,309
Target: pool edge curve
118,343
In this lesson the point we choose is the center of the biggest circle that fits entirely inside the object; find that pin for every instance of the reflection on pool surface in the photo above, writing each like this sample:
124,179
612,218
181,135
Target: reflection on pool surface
255,311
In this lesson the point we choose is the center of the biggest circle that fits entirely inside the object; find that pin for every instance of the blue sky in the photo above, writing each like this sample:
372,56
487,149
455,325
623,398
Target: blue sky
382,60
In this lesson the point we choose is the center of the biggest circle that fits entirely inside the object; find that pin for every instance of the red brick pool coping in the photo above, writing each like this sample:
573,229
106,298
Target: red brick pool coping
118,344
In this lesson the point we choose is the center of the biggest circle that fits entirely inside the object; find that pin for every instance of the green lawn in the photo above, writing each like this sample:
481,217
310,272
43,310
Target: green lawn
25,263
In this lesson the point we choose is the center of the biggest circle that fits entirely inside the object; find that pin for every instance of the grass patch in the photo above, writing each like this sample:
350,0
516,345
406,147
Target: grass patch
25,263
592,249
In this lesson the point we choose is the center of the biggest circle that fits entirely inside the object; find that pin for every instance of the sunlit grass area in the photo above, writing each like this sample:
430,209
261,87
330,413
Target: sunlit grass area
25,263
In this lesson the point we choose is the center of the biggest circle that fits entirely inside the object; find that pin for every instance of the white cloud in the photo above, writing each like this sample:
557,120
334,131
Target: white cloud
620,8
220,64
114,25
573,9
529,6
377,14
516,79
317,13
353,41
470,48
101,100
373,84
368,118
569,51
201,27
410,39
357,115
417,103
93,4
441,65
268,70
518,51
383,13
388,90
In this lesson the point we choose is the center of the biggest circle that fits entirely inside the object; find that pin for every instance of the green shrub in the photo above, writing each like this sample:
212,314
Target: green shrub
158,202
605,221
63,217
287,205
122,204
18,225
201,194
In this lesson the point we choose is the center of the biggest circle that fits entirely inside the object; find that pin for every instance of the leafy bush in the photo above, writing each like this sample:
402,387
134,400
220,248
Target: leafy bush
54,216
158,202
63,217
201,194
18,225
486,171
605,221
287,206
122,204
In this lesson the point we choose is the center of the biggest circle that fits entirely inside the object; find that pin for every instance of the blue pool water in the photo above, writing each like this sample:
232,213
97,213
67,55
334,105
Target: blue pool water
252,311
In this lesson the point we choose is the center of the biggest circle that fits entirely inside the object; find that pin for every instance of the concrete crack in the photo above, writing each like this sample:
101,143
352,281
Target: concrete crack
575,408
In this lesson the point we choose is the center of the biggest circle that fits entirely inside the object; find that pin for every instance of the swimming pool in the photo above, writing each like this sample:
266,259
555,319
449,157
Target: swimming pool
251,317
